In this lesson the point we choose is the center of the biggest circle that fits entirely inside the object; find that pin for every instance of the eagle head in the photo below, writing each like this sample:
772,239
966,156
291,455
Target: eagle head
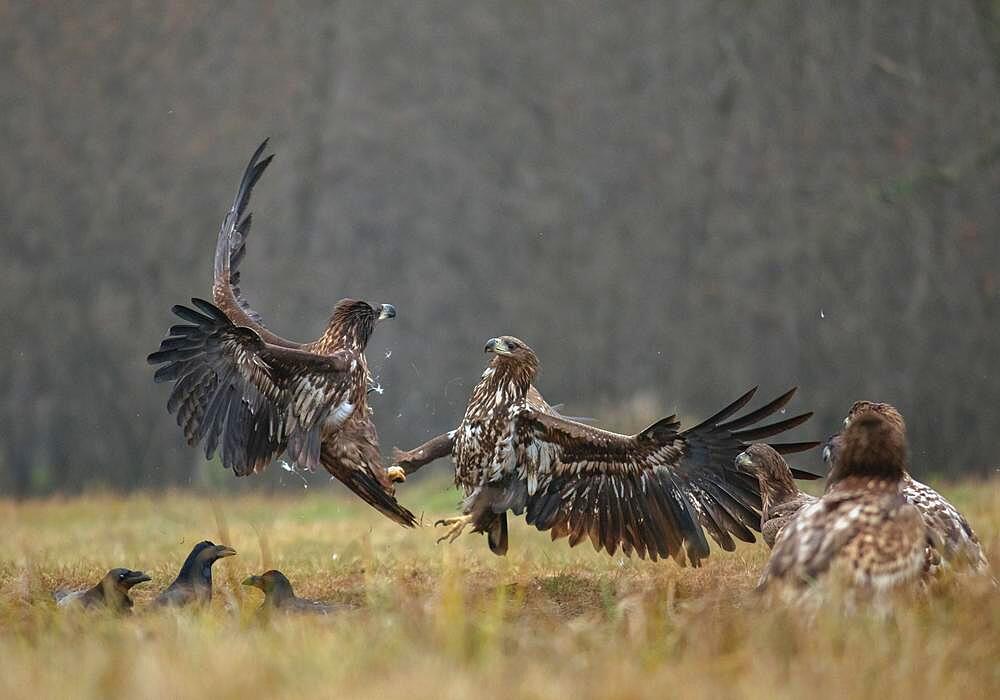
887,411
354,320
874,445
513,355
769,467
760,458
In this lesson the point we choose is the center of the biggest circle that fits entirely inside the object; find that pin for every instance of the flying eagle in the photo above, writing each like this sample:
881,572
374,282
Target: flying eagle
781,499
957,546
255,396
862,533
650,493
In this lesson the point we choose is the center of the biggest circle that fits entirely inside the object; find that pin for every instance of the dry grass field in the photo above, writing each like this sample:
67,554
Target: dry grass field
452,621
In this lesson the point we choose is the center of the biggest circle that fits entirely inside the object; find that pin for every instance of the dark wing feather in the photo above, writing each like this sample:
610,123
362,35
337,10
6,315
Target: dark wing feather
615,489
726,498
232,389
651,492
230,250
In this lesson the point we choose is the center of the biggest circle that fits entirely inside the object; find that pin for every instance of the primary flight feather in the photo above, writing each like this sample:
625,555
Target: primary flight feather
651,493
242,390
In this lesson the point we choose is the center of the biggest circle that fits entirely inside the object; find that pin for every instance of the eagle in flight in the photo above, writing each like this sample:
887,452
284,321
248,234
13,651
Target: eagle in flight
651,493
957,545
252,395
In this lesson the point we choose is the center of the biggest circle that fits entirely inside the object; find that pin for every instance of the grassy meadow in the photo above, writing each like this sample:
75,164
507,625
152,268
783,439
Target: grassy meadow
451,621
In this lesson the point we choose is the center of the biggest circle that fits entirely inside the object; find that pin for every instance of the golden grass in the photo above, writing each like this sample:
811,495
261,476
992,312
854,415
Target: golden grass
452,621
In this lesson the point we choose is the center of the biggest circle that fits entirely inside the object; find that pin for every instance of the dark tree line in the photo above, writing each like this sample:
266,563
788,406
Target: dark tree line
670,201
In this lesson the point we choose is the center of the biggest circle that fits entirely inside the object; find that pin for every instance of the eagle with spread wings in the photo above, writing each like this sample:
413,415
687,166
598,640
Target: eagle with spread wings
252,395
651,493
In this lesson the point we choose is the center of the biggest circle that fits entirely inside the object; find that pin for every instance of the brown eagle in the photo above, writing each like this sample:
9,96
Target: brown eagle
862,534
957,545
650,493
255,396
781,499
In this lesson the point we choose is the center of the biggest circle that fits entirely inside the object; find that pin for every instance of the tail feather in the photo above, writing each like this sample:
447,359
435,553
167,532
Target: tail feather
496,535
364,484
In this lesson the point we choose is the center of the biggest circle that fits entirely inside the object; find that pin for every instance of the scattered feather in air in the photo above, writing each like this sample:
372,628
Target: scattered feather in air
821,314
291,468
388,354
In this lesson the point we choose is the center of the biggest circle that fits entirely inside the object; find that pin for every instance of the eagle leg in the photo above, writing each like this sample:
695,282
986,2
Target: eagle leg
457,525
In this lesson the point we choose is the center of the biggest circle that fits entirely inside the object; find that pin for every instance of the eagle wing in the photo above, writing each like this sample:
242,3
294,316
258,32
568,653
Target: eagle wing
256,398
230,250
951,532
651,492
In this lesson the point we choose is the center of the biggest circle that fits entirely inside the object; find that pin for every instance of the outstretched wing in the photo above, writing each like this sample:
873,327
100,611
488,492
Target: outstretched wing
651,492
256,398
230,250
728,499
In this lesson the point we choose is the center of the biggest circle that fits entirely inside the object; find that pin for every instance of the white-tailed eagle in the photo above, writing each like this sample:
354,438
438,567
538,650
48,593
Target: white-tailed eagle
651,493
252,395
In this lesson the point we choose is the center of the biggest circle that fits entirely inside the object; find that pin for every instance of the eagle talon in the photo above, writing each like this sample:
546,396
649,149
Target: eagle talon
396,474
457,526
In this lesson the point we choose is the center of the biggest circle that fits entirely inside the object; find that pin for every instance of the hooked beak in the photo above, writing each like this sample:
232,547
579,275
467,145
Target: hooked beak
254,581
496,345
387,311
222,551
745,462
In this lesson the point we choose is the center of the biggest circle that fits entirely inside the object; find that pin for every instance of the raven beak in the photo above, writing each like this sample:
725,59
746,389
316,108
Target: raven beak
497,346
137,577
222,551
387,311
744,461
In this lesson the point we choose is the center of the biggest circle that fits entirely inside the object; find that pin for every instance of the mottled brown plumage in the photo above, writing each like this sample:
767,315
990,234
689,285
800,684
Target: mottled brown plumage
254,396
953,543
781,499
651,493
861,535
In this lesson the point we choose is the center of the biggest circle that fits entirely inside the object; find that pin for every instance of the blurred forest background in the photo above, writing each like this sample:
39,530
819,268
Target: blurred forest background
670,201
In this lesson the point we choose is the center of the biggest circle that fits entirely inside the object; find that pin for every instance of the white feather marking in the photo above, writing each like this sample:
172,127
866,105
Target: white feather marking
340,414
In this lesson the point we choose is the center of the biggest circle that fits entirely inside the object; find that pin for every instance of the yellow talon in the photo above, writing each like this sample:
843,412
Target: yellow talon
396,474
457,526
